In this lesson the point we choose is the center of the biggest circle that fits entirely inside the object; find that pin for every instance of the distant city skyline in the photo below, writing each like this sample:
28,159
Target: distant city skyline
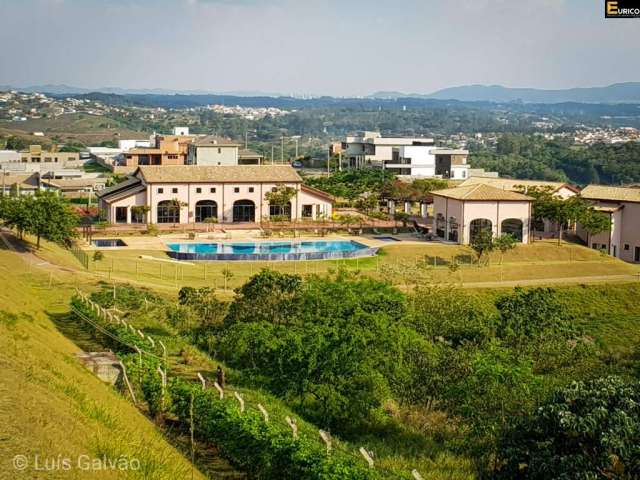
325,48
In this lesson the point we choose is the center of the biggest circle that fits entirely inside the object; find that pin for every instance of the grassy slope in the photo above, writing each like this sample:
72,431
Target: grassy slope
50,405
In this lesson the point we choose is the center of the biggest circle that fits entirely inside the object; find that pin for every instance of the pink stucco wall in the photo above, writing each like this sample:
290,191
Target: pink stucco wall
224,195
495,211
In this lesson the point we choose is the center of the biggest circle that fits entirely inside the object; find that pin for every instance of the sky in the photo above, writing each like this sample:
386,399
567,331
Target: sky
330,47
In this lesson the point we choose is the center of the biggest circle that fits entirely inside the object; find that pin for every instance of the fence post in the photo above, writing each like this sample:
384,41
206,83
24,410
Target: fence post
163,376
202,380
367,456
326,438
294,426
219,388
264,413
240,400
416,474
164,354
126,380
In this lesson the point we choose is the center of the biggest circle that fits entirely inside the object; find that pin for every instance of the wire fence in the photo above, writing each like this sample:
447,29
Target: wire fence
103,315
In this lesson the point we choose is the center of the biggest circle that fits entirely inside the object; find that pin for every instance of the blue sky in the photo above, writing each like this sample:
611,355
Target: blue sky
321,47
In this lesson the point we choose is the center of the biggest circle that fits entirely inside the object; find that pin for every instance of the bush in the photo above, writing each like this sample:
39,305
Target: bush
585,430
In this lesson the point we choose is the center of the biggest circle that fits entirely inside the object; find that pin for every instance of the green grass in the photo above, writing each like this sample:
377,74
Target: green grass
51,405
538,261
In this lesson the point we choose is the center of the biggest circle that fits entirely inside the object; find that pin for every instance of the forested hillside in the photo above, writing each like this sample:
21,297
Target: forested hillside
533,157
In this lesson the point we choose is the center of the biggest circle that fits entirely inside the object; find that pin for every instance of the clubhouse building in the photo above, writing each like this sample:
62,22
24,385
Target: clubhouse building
191,194
461,213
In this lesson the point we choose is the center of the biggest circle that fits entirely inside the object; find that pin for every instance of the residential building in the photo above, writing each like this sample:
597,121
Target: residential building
371,149
420,160
19,183
192,193
165,150
622,206
9,156
36,154
461,213
213,150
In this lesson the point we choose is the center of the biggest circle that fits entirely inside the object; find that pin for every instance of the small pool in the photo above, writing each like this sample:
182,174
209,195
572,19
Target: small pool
108,242
272,250
386,238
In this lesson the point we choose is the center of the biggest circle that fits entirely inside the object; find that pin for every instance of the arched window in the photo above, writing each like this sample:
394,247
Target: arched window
244,211
453,229
280,212
206,209
512,226
168,211
440,225
479,225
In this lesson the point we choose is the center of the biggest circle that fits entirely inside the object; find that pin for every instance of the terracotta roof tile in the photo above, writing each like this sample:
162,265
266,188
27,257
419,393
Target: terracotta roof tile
219,174
603,192
480,192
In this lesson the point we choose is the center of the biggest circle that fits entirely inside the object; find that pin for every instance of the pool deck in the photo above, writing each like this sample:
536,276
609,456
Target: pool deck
144,242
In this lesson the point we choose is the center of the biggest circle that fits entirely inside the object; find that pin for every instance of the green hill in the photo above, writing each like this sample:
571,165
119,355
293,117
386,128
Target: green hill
52,408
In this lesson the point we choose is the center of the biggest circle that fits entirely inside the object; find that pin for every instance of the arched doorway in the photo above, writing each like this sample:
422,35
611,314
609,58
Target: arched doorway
512,226
479,225
206,209
168,211
280,212
244,211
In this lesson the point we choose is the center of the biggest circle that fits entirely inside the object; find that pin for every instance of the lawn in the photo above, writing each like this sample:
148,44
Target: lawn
402,263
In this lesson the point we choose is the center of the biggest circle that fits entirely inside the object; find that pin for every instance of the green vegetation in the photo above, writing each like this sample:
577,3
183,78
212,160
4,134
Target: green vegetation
52,406
585,430
350,184
448,368
45,215
533,157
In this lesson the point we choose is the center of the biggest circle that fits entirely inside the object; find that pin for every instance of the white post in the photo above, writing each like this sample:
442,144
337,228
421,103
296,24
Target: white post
240,400
416,474
326,438
141,334
407,207
424,213
367,456
202,380
164,353
153,344
219,388
264,413
391,205
294,426
163,375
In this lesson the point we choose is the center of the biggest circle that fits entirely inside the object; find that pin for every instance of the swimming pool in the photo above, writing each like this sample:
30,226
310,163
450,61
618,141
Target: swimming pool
108,242
270,250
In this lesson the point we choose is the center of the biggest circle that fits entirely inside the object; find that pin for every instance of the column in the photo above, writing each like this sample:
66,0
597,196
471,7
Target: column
391,205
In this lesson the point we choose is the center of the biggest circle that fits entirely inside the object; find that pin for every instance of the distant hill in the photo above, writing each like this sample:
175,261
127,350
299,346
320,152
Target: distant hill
628,92
62,89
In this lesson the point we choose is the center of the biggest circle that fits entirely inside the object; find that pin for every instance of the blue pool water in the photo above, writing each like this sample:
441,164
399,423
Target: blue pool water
267,247
272,250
